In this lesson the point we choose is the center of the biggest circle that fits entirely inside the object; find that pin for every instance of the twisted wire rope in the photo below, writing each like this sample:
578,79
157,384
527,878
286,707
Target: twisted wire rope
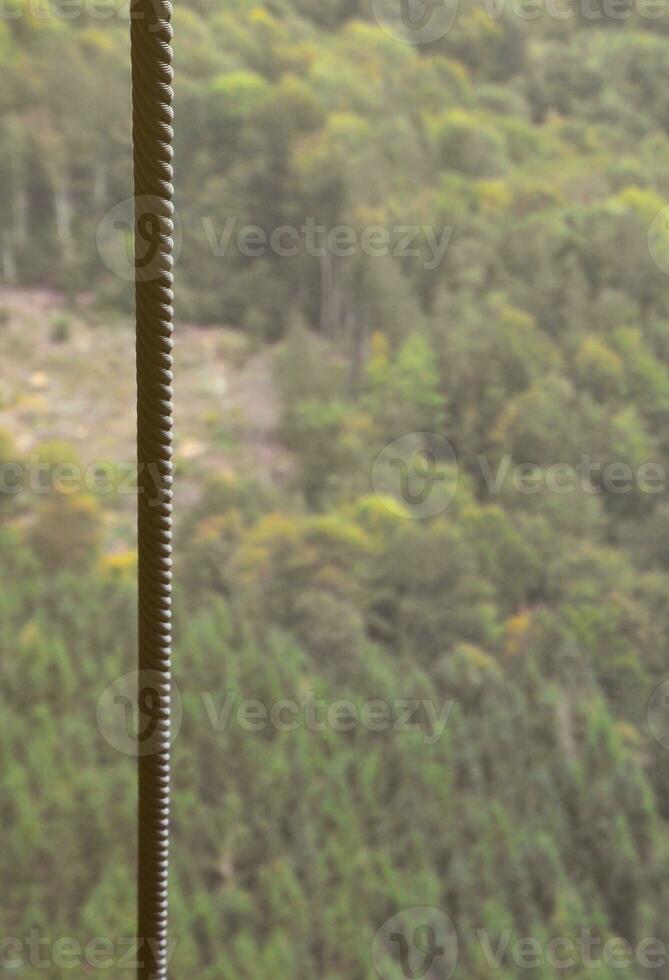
151,56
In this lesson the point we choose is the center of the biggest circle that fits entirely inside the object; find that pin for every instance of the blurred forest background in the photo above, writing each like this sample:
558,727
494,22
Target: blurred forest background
543,336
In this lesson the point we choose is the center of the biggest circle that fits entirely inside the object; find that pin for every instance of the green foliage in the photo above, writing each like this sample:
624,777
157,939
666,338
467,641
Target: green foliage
291,834
469,146
60,330
67,531
534,151
401,393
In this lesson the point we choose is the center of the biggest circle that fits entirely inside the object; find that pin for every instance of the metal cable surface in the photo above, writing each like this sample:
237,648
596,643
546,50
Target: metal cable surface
151,55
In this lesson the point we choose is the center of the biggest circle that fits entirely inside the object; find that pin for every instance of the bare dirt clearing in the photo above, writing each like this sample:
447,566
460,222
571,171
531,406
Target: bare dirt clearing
70,376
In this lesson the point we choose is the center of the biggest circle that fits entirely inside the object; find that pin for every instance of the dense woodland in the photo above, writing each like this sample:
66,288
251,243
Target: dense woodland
542,337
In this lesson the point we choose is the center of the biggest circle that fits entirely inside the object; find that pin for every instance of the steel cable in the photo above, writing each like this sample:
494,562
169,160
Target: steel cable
151,55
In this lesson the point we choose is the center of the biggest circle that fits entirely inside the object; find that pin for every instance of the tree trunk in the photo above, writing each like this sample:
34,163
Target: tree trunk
9,273
100,182
21,211
355,325
326,293
63,209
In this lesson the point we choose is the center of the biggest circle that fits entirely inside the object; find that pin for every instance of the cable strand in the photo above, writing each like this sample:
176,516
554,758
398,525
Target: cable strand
151,55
